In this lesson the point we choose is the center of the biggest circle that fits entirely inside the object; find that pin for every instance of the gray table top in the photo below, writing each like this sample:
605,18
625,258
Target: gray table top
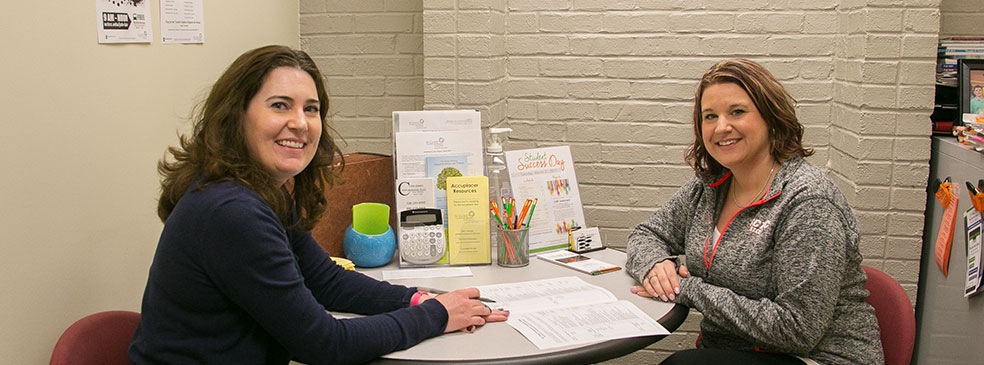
499,342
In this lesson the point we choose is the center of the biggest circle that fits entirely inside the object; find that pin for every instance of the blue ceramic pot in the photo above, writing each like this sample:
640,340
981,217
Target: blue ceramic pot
369,250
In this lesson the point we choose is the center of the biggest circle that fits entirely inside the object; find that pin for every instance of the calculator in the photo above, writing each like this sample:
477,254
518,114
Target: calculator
422,238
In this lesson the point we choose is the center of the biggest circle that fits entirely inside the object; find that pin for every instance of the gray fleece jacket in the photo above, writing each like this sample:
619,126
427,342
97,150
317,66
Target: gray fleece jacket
785,275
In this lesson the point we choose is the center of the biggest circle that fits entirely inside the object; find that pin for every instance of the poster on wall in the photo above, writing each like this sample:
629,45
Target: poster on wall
124,21
182,22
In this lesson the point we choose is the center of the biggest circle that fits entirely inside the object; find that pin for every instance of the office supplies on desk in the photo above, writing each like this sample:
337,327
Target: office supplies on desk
369,241
421,236
586,240
576,261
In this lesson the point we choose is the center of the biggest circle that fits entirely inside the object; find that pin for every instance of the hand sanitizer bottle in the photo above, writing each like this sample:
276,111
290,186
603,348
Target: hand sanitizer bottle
495,170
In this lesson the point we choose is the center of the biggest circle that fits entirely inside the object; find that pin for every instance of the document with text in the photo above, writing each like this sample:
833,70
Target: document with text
569,311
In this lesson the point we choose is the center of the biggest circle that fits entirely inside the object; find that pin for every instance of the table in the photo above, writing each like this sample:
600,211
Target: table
496,343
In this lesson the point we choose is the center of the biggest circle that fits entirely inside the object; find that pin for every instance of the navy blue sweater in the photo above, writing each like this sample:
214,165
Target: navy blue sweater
229,284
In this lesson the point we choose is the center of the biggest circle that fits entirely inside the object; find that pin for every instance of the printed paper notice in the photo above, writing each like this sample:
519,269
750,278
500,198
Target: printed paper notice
972,219
568,311
123,21
182,21
547,174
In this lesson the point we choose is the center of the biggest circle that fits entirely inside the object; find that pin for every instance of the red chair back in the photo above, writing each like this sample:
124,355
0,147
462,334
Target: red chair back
895,316
101,338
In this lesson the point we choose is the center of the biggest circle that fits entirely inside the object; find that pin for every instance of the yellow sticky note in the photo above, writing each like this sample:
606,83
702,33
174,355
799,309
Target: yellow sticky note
468,220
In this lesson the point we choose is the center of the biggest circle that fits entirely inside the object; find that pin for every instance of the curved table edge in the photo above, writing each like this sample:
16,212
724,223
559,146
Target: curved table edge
582,355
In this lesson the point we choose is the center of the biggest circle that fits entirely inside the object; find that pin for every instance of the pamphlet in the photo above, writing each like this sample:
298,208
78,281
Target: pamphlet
579,262
430,146
436,120
547,174
972,219
468,226
568,311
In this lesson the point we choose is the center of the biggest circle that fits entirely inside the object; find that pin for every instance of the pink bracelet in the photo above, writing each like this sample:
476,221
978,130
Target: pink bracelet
415,299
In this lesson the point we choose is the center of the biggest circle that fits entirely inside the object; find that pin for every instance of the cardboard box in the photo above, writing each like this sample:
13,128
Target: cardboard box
366,178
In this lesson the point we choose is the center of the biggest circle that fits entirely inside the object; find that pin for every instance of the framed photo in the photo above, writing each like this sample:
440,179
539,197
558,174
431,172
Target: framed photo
970,72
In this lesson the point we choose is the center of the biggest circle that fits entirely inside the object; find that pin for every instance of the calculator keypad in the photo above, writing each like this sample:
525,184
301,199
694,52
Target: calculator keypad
422,244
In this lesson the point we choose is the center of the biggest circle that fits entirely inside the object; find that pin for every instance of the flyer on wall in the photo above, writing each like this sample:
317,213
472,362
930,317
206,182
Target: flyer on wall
182,22
547,174
124,21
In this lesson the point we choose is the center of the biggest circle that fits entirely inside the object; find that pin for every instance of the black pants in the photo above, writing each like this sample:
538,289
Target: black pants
719,356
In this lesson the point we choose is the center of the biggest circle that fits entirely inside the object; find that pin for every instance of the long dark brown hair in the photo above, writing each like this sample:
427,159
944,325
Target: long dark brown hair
772,101
216,150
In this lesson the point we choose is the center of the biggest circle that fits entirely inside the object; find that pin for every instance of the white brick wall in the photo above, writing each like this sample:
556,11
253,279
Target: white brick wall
371,52
614,80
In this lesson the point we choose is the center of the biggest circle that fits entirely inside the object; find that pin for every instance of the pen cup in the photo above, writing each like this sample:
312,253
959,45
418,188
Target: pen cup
514,247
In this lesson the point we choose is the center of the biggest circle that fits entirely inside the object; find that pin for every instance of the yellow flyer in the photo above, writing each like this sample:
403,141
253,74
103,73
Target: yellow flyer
468,220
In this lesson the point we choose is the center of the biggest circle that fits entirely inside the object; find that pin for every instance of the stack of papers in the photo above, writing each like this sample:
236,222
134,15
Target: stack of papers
568,311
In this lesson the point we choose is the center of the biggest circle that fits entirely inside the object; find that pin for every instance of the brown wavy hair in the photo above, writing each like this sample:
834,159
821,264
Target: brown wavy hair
216,150
772,101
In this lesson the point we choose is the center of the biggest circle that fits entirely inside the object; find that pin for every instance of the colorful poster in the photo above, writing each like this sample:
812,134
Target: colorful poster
123,21
547,174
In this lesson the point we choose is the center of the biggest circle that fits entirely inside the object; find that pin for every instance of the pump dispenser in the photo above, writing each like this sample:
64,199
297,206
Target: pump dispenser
496,165
495,170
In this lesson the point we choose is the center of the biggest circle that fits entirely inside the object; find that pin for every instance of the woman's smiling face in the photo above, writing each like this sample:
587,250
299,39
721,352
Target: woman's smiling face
732,130
283,123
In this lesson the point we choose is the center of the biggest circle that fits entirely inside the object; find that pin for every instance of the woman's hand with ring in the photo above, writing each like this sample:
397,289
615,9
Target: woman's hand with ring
662,281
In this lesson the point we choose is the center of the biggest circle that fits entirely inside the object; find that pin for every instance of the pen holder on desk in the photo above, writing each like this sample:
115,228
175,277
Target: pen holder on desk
369,250
514,247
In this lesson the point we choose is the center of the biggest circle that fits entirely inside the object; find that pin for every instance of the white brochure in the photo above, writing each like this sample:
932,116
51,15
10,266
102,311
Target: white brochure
972,219
436,120
569,311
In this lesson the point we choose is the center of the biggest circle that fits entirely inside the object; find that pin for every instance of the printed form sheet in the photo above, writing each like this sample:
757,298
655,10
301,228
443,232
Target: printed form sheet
568,311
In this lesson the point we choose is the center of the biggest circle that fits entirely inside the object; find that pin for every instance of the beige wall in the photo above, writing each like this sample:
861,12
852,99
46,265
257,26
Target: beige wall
83,127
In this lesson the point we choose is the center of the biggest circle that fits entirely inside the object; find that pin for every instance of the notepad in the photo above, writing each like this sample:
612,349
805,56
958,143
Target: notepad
578,262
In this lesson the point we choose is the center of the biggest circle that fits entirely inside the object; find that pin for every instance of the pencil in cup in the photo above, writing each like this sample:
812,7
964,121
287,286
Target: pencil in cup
514,250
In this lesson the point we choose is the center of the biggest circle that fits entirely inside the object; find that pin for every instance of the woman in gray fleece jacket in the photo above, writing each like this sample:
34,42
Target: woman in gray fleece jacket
771,241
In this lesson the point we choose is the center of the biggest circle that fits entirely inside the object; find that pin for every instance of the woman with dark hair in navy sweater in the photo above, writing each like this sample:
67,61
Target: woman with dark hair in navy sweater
237,277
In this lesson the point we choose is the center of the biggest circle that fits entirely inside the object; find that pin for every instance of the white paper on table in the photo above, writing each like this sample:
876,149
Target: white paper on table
550,328
123,21
439,272
546,293
436,120
972,219
569,311
182,21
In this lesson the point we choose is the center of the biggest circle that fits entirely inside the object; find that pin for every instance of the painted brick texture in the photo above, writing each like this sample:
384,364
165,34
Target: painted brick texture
614,79
371,53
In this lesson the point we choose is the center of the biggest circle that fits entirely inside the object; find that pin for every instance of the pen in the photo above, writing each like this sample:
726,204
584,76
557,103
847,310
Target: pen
602,271
439,291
